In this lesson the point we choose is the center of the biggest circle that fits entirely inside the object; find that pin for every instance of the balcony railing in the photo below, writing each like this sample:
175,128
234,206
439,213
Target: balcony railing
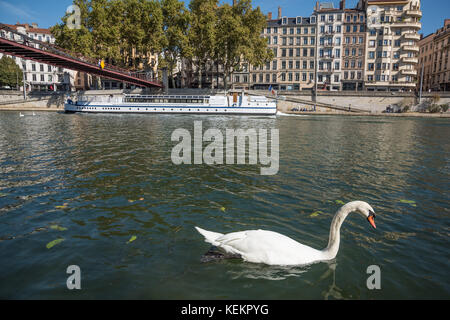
409,72
406,24
410,60
411,36
414,13
407,47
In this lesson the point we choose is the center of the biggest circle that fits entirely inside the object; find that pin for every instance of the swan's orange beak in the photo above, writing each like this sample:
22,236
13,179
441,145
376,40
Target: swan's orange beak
371,219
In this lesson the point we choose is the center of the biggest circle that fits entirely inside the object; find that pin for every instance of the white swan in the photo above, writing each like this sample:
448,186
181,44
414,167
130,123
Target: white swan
272,248
21,115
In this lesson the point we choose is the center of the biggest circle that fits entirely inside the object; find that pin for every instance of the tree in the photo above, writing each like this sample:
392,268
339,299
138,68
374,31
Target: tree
123,32
75,40
10,73
175,29
239,40
203,32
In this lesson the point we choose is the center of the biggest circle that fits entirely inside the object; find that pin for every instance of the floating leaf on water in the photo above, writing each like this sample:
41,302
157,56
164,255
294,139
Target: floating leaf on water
131,201
222,209
56,227
3,194
340,202
54,243
61,207
315,214
132,239
407,201
410,202
141,199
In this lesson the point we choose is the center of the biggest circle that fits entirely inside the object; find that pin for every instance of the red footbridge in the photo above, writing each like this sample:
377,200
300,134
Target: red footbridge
16,44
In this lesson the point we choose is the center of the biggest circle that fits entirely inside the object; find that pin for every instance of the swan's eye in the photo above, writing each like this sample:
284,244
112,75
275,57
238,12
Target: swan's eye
371,213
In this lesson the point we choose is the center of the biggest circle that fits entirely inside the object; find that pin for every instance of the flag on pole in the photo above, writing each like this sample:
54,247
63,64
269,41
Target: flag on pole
271,90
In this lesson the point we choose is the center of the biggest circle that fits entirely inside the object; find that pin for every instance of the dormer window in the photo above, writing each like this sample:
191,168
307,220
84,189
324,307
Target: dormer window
313,19
299,20
284,20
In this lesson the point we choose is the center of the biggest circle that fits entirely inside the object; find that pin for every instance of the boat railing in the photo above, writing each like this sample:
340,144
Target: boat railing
108,99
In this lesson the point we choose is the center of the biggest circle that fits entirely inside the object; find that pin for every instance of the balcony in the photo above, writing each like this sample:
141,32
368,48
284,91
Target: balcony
327,57
408,72
407,24
410,60
407,47
414,13
411,36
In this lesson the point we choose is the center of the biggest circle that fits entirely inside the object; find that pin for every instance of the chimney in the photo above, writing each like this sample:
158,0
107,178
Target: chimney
279,12
342,4
34,25
269,16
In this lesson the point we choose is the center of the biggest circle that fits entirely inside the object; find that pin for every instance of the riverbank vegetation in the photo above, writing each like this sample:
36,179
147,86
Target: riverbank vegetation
128,33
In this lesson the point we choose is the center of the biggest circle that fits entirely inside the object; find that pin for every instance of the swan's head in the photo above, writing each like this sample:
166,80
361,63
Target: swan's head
365,210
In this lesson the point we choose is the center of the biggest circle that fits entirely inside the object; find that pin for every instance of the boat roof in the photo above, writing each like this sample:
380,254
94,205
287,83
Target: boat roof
166,97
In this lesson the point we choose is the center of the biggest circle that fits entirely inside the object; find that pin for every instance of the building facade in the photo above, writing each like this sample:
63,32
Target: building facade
354,49
440,77
293,42
425,68
40,76
330,35
392,44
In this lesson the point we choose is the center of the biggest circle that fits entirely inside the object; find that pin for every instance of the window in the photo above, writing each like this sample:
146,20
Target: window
338,53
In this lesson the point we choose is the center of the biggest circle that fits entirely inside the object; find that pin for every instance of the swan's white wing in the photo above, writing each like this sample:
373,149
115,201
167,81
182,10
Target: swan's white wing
268,247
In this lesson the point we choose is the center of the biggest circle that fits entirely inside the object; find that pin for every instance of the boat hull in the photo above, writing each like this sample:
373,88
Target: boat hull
174,109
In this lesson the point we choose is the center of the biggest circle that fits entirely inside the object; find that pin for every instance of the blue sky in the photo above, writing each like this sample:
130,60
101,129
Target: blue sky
49,12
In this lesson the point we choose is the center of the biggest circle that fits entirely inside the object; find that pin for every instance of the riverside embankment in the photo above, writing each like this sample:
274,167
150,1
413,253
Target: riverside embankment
354,103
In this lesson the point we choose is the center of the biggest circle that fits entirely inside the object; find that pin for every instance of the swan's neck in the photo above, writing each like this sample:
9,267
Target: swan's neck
332,249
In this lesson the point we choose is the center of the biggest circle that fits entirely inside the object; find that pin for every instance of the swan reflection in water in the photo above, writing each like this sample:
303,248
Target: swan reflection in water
267,272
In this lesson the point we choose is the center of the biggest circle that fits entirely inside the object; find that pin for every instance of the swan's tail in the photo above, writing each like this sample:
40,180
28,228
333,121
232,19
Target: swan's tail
210,237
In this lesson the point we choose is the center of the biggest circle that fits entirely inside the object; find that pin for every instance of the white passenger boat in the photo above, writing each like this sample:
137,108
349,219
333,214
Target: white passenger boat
232,103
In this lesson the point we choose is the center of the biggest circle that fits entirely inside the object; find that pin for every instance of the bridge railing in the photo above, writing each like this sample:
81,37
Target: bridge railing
11,34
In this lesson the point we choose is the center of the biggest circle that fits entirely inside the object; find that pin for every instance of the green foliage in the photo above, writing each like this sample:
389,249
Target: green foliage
444,107
10,72
115,30
434,108
118,30
175,28
239,39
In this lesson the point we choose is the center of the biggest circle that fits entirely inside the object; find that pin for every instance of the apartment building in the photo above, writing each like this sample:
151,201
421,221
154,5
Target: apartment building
392,44
354,49
440,78
330,22
293,42
39,76
425,68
